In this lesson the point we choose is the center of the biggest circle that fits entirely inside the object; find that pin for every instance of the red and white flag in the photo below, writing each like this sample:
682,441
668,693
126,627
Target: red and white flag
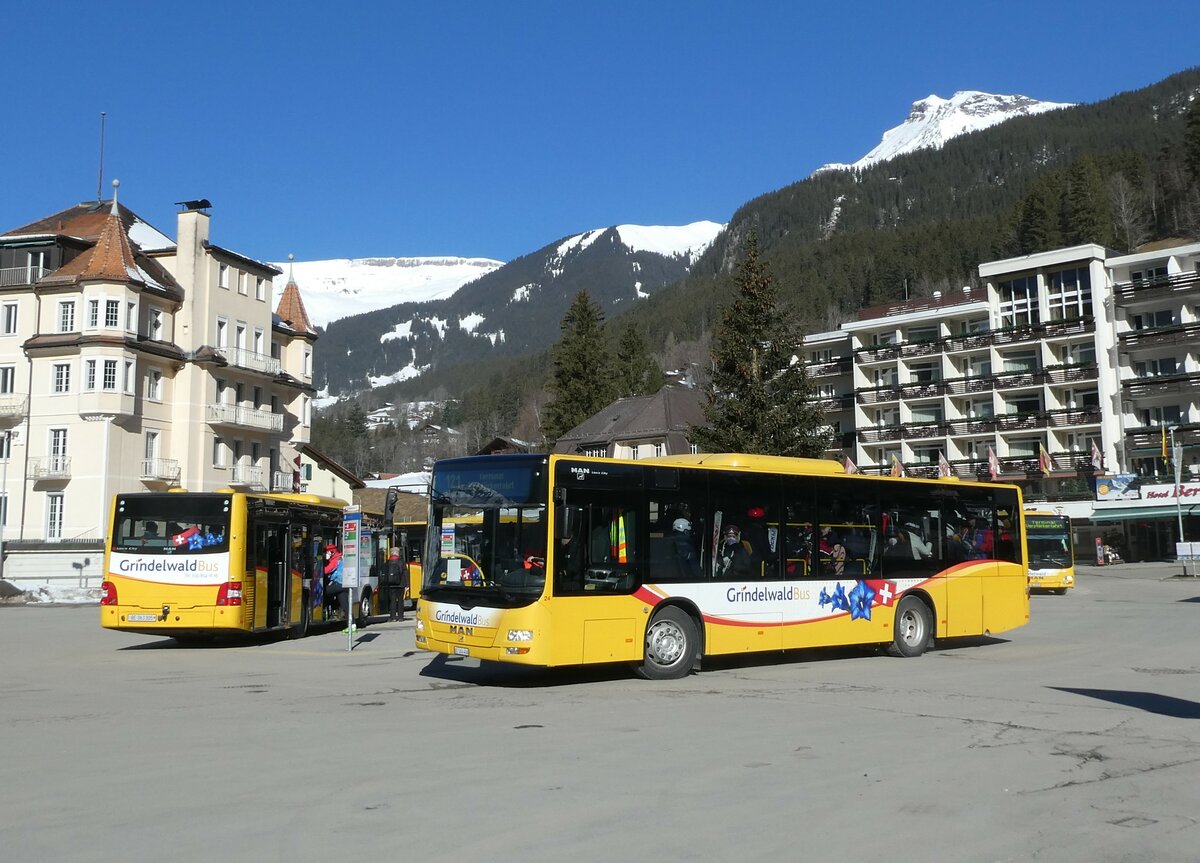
850,466
897,467
1097,458
943,466
993,464
1045,462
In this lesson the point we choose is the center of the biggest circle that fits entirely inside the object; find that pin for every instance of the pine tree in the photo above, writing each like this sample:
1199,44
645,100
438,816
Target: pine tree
636,372
1087,212
1191,142
582,380
761,399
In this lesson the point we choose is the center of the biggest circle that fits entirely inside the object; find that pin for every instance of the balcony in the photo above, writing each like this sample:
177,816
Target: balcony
875,395
14,276
975,426
830,367
243,417
245,359
55,467
1071,374
973,384
1019,421
878,435
1150,437
12,408
923,389
160,471
1157,289
1183,335
876,353
247,476
283,480
1187,383
1067,417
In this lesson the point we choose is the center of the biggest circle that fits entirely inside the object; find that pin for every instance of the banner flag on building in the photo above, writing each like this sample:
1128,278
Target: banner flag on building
993,464
943,466
850,466
1166,455
897,468
1045,462
1097,458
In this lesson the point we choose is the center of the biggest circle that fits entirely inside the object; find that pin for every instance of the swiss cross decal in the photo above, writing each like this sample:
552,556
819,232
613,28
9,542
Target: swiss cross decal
885,592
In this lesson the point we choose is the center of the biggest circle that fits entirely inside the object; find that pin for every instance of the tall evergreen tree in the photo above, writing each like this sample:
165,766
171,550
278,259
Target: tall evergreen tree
1087,210
582,380
760,399
637,374
1039,225
1191,142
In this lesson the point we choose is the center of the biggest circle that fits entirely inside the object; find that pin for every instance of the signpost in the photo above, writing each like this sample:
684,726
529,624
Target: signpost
351,534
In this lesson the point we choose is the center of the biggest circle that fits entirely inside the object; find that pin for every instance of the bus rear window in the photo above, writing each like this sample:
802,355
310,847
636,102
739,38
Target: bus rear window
171,524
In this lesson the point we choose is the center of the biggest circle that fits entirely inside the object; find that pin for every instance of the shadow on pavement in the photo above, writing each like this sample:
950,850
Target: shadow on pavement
1151,702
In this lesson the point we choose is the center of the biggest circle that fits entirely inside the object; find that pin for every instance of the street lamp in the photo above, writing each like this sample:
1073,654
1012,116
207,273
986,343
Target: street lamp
1177,455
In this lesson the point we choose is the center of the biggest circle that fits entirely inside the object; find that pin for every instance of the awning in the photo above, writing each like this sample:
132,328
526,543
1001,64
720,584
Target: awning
1130,512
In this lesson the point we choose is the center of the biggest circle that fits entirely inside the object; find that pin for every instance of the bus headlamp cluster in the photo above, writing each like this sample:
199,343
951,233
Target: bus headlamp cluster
520,635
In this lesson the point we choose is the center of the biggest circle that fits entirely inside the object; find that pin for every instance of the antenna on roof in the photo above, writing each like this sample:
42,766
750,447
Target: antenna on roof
100,178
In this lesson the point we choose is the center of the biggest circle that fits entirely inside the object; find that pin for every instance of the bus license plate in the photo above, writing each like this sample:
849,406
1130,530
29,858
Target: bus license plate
462,651
142,618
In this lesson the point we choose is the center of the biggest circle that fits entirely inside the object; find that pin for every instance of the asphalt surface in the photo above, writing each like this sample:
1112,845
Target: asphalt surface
1075,738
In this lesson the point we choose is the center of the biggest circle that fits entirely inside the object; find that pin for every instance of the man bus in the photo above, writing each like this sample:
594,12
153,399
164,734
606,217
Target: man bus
566,560
200,565
1051,552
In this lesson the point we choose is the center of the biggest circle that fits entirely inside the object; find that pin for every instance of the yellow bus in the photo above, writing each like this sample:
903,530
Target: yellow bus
198,565
566,560
1051,551
408,537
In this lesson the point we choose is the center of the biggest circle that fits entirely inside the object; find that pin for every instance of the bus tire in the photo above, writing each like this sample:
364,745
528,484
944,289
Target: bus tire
1059,591
301,628
912,627
672,646
364,608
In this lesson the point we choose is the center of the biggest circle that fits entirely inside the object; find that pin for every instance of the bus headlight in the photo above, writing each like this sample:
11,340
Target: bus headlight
520,635
420,625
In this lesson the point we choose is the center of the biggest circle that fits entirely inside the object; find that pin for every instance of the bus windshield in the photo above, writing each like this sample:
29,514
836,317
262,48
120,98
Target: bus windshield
1049,542
487,540
171,524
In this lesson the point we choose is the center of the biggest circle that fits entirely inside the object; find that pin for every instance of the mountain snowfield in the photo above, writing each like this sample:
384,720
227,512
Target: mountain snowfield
933,121
344,287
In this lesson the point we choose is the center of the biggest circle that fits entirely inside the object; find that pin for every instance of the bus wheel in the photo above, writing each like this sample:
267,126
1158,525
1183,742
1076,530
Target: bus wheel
364,609
672,645
912,627
301,628
1059,591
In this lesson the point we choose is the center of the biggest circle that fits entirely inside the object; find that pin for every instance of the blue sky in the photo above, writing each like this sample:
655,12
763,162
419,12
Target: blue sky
493,128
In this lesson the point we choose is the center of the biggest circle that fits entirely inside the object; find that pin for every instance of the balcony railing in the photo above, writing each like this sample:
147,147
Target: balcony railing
282,480
1161,385
247,475
1071,374
874,395
245,359
12,276
13,407
829,367
1154,289
51,467
1155,337
164,469
245,417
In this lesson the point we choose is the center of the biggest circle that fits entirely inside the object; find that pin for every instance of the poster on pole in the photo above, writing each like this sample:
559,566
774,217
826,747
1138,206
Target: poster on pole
351,535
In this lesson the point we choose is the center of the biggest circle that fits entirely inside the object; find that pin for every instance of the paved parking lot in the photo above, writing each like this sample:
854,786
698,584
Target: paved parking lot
1074,738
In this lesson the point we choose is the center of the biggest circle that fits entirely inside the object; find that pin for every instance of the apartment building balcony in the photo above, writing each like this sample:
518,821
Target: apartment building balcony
916,431
244,417
1157,289
1068,327
840,366
980,426
880,434
920,349
834,403
1014,380
878,395
12,409
876,353
244,359
15,276
247,476
1150,437
1068,417
1072,374
1021,421
924,389
1187,383
965,386
283,481
54,467
93,402
1160,337
160,472
967,342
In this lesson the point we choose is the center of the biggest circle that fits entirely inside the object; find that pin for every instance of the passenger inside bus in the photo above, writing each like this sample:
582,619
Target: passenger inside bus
831,551
733,559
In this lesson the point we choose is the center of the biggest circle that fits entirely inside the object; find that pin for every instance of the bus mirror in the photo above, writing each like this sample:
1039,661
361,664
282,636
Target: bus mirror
389,504
566,519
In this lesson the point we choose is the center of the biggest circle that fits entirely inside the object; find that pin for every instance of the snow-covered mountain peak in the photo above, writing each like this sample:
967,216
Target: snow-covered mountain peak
933,121
344,287
672,241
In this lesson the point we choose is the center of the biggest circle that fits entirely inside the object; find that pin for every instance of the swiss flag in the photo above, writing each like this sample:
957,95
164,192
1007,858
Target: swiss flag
181,539
885,592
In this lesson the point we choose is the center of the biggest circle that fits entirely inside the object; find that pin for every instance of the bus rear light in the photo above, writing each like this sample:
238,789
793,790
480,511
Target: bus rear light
230,593
516,651
108,593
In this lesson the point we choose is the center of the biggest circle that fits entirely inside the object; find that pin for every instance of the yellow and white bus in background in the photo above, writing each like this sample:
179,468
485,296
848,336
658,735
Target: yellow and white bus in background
198,565
566,560
1051,551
